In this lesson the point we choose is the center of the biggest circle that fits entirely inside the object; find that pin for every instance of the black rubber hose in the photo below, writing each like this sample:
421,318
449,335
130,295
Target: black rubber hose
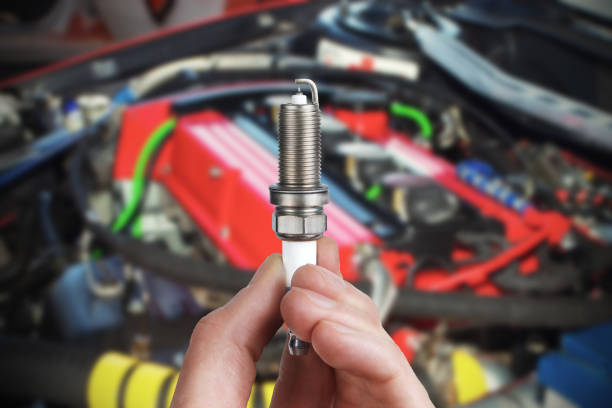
523,311
55,373
185,270
549,279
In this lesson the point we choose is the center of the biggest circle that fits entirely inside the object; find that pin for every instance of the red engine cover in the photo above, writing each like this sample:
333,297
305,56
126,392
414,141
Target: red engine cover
221,177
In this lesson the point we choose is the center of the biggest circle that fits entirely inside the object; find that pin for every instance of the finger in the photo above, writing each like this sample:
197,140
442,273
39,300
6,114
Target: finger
304,381
302,309
219,367
327,254
372,357
331,285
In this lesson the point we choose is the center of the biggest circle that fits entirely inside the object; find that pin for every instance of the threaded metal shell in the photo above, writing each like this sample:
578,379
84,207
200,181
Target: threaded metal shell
299,146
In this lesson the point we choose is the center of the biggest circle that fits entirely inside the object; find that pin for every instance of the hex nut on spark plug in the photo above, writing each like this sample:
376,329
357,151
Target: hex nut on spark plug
299,226
299,213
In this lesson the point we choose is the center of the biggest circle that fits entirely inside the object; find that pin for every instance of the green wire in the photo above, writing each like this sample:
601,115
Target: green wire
410,112
138,179
137,227
373,192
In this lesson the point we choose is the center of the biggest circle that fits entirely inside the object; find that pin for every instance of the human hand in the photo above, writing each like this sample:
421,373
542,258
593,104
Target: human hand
352,362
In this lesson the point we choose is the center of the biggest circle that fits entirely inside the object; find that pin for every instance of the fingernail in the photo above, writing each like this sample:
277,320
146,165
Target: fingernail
320,300
273,262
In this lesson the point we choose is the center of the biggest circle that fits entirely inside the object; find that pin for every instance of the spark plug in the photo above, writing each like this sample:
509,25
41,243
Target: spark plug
299,196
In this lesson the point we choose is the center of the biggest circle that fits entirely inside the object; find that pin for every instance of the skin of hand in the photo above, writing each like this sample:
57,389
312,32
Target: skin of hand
352,361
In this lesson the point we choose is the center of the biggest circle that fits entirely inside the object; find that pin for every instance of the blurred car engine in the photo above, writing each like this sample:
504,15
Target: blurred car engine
466,148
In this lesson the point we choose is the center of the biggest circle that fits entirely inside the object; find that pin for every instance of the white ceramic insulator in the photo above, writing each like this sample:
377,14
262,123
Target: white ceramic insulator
299,99
296,254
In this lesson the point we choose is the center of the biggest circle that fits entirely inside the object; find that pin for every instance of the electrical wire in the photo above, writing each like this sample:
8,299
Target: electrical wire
133,223
415,114
139,178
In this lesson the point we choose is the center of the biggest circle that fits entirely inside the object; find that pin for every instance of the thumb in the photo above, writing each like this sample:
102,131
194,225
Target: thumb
219,367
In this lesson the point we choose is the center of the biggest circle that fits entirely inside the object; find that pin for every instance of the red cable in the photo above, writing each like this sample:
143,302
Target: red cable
478,273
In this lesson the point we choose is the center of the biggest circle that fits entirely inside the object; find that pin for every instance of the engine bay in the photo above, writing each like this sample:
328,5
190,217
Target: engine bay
470,198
